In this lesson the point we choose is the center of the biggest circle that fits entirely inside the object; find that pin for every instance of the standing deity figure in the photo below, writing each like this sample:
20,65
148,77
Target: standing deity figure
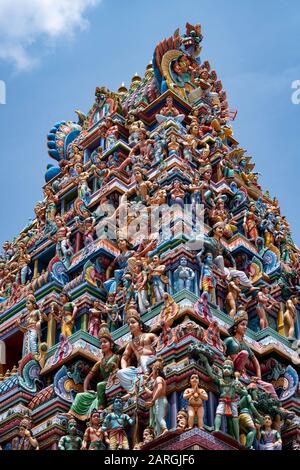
139,154
61,237
206,189
110,132
89,400
142,347
94,437
169,112
173,146
87,228
183,276
158,147
23,264
249,417
195,397
118,266
51,201
265,303
134,126
229,388
101,173
65,314
157,278
25,439
289,317
240,353
81,179
70,441
250,224
158,404
8,251
95,318
114,425
269,439
140,286
30,325
233,295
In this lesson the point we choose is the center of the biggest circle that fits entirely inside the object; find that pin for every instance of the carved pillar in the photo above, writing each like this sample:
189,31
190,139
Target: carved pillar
36,269
280,323
84,322
77,242
174,410
51,330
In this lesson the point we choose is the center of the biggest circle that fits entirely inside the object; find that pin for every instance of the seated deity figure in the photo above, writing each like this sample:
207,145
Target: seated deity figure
141,348
214,245
269,438
183,276
240,353
89,400
169,112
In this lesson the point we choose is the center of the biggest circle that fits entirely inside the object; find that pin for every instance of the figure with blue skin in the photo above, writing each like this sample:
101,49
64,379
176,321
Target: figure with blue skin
114,425
121,263
183,276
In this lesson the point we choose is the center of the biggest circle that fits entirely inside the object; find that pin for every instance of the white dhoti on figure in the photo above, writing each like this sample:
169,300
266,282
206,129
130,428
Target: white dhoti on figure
129,375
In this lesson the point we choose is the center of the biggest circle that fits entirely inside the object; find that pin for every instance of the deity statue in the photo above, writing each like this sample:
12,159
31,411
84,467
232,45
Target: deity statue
51,201
265,303
249,417
81,179
23,264
181,420
240,353
157,278
110,131
134,126
25,439
207,282
142,348
148,436
70,441
158,147
140,286
213,244
173,146
250,224
95,318
169,310
177,191
114,425
87,228
118,266
30,325
289,317
233,295
169,112
158,404
65,315
90,400
183,276
269,439
61,237
195,397
139,154
94,437
229,388
220,214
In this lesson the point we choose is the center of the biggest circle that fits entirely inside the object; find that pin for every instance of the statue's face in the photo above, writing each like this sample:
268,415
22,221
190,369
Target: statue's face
227,370
267,421
194,380
29,305
58,221
207,174
183,261
133,325
118,404
147,436
155,259
63,298
209,259
169,101
219,231
6,245
122,244
105,345
72,428
242,327
22,430
95,419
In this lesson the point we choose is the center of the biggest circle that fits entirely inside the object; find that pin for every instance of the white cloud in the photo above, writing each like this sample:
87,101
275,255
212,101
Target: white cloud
26,22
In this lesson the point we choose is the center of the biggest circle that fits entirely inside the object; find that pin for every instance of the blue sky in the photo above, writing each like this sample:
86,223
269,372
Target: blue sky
52,60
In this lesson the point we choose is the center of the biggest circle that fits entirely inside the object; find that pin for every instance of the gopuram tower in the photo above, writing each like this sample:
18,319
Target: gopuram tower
157,280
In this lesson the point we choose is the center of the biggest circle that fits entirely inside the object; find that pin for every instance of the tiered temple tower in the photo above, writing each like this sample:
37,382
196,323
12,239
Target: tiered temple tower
78,277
